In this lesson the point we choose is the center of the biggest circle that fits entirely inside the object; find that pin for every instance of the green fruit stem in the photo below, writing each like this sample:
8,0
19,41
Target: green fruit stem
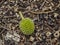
20,13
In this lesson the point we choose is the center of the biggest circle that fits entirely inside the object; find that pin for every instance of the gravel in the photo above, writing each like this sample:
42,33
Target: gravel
44,13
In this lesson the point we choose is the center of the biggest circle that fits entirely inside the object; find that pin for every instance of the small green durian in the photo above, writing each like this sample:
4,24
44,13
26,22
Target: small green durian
26,25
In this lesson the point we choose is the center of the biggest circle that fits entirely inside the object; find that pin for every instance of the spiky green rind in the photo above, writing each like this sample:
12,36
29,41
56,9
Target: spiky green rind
26,26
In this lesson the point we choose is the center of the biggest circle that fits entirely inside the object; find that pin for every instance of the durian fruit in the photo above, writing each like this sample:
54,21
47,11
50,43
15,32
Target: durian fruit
26,25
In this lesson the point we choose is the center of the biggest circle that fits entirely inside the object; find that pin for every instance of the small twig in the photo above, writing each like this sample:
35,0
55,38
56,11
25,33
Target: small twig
49,26
2,31
9,16
4,27
1,2
20,13
38,12
43,4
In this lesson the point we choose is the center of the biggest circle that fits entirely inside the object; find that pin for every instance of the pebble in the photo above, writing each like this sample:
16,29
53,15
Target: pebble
31,38
48,34
34,43
56,34
13,36
55,15
8,36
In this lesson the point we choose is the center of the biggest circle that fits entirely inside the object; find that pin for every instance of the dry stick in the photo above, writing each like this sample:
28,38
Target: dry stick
20,13
3,39
43,4
40,12
9,16
49,27
58,5
3,30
